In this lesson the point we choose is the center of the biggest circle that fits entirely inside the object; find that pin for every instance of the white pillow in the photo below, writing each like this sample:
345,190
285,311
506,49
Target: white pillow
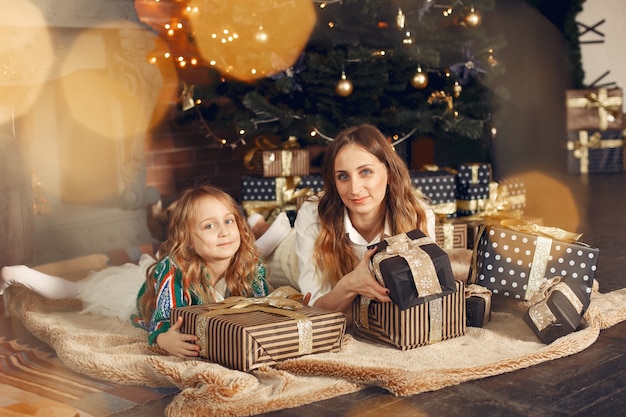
283,263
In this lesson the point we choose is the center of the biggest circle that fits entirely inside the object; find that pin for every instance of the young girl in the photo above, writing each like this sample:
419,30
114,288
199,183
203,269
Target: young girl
209,254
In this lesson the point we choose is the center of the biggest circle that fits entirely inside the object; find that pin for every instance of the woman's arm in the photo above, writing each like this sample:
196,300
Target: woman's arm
358,282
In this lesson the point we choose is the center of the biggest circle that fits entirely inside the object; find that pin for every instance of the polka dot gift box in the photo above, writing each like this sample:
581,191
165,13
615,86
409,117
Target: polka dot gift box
474,183
515,263
439,187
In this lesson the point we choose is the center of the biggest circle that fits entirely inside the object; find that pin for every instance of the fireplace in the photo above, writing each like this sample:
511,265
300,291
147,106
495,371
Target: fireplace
84,132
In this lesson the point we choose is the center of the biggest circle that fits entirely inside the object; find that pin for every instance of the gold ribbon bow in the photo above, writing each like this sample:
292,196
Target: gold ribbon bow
540,313
551,232
475,290
499,205
435,168
608,107
287,193
282,301
419,261
585,143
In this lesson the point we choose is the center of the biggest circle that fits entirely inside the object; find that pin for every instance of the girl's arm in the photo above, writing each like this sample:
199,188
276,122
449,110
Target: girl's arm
169,295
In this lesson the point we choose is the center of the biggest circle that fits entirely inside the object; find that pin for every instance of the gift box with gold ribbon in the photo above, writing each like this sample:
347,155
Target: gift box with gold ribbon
432,322
474,182
514,257
413,268
478,305
271,159
557,309
595,152
270,196
594,108
247,333
439,187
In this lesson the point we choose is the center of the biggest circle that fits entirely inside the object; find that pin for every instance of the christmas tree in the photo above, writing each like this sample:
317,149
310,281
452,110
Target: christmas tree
413,68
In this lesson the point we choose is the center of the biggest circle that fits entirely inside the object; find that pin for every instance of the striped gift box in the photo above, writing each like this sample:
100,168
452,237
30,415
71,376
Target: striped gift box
280,162
439,319
451,235
260,336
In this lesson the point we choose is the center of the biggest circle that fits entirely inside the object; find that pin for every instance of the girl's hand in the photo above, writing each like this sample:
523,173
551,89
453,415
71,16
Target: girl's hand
363,282
176,343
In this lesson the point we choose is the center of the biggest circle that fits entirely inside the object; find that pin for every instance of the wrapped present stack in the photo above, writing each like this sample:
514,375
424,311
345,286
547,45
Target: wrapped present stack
274,180
427,306
595,142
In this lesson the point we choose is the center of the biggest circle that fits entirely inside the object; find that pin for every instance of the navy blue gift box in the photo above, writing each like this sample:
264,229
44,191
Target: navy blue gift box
473,187
439,187
595,152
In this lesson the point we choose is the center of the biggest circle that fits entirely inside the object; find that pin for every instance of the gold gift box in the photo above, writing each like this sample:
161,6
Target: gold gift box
439,319
260,336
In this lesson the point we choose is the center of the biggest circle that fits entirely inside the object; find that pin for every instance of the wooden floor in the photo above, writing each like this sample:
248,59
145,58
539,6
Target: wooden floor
590,383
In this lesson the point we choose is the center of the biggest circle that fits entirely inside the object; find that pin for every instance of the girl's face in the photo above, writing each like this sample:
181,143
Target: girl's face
361,180
214,233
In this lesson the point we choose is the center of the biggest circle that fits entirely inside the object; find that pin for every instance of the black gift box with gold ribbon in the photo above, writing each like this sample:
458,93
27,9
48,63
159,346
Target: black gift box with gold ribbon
512,259
559,311
478,305
595,152
245,334
414,269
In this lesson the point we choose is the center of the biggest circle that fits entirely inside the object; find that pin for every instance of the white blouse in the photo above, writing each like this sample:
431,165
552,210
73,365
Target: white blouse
307,228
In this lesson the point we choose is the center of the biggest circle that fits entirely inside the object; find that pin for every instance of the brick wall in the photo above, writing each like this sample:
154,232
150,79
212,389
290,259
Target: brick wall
181,155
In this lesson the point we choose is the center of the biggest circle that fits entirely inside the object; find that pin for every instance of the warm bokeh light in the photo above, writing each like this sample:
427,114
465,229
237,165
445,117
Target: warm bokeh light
26,55
251,39
99,96
551,200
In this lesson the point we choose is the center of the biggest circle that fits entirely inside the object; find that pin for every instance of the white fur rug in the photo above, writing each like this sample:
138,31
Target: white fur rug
114,350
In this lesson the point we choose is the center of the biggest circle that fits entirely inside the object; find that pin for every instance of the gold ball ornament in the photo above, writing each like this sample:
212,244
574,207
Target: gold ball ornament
473,18
419,80
344,86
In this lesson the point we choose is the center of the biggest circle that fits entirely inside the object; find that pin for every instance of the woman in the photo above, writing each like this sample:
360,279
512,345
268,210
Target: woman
367,196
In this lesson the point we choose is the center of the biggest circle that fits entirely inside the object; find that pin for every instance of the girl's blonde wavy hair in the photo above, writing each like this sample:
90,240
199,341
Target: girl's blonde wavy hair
178,247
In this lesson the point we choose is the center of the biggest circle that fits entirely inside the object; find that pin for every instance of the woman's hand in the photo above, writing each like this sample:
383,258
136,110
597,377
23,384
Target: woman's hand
177,343
362,282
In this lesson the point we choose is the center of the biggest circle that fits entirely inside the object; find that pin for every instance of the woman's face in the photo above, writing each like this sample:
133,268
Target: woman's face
361,180
214,232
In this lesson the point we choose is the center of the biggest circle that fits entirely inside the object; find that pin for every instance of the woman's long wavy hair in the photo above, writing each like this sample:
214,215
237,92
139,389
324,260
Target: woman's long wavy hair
335,257
178,246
